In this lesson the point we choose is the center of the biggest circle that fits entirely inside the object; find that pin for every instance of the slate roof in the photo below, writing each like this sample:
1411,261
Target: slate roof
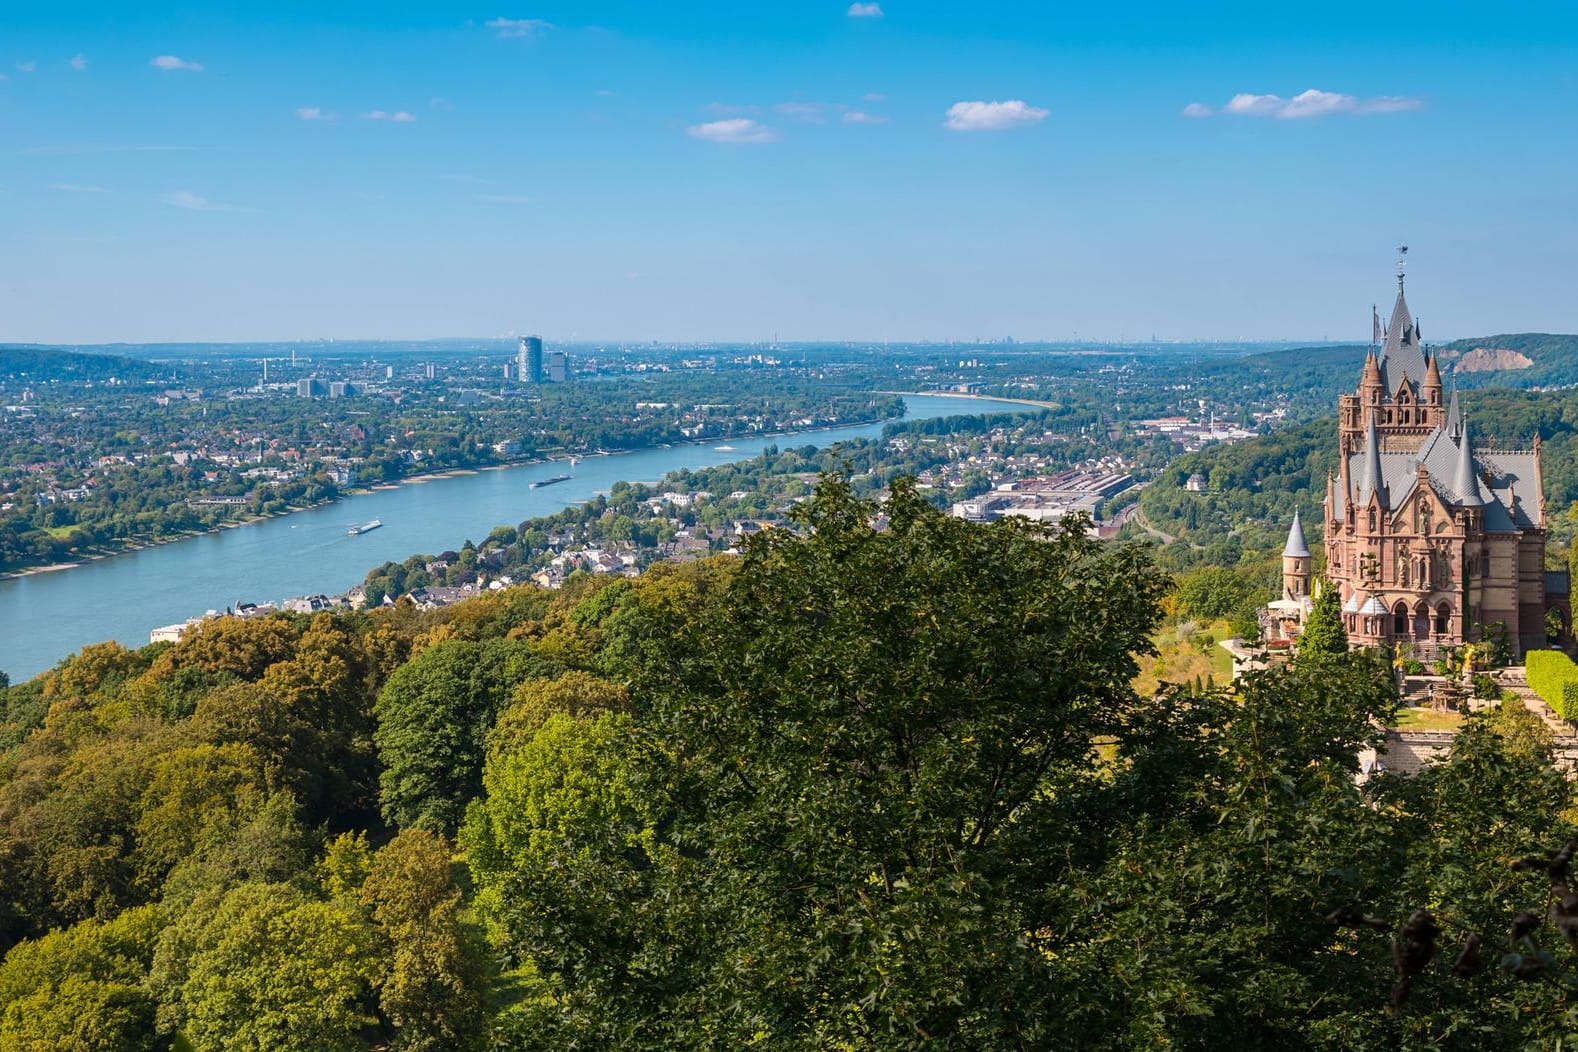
1401,355
1506,478
1297,547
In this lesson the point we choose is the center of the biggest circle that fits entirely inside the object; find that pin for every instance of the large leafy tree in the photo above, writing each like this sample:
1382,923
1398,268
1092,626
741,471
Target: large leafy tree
830,822
267,966
430,990
433,717
1323,632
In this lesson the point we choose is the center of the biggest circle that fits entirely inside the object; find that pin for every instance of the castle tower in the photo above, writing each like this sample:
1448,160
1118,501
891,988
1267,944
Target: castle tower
1296,562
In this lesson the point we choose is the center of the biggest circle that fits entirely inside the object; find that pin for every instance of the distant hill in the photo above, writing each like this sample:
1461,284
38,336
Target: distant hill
1524,359
41,365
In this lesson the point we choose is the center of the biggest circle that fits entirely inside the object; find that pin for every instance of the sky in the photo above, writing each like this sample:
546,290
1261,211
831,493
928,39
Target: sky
796,169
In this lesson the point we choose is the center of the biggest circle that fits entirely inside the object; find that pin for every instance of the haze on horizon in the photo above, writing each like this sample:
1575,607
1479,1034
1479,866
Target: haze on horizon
710,171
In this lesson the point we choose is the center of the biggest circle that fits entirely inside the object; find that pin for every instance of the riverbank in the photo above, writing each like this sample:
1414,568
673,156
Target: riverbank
977,397
46,616
410,480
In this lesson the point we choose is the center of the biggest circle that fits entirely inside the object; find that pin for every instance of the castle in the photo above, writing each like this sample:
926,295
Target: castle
1429,539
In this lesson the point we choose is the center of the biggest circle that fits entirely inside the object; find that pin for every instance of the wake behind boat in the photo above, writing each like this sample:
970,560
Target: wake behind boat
356,531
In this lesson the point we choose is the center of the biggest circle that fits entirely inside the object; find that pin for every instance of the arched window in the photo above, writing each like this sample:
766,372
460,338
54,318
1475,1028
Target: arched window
1372,520
1400,619
1443,619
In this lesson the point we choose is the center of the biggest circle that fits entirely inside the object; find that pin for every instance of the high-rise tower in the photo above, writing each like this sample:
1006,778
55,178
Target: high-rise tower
528,361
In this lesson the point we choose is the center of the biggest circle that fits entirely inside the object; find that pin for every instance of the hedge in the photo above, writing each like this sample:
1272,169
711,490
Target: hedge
1554,677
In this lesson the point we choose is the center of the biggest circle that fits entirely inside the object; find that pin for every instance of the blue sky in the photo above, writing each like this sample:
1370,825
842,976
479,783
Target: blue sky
731,171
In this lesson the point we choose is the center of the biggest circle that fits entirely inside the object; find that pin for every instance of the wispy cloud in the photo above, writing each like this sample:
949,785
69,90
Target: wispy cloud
196,203
72,188
397,116
993,116
170,64
504,199
438,102
78,62
469,180
873,96
865,10
730,109
514,28
858,117
315,113
1311,103
26,67
735,130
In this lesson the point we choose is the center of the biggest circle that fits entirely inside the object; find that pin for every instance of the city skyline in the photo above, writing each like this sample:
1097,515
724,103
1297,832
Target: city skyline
707,172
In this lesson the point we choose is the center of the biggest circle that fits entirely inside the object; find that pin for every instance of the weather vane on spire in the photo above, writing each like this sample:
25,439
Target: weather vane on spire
1402,262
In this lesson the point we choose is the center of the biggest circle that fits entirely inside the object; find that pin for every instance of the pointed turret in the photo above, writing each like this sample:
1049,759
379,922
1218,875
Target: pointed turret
1370,475
1433,375
1371,387
1296,562
1454,420
1466,482
1296,545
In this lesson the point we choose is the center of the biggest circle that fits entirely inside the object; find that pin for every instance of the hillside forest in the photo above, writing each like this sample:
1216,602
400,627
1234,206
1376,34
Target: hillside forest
858,788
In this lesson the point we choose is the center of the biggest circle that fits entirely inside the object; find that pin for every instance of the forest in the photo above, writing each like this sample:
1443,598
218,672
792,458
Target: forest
857,788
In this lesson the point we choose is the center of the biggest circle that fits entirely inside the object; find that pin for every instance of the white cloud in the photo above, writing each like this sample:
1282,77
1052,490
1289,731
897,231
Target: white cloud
513,28
1197,109
865,10
26,67
315,113
1247,105
187,199
857,117
78,62
993,116
397,116
170,63
1316,103
734,130
1307,104
438,102
873,96
72,188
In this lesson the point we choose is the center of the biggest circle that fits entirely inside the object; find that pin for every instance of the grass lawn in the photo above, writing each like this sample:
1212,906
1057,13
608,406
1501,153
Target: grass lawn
1424,719
61,532
1182,658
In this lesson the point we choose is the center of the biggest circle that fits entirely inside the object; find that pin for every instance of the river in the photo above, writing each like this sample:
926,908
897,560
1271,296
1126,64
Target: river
45,616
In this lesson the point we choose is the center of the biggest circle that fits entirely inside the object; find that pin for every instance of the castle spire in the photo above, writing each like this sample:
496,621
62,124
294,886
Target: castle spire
1297,547
1467,481
1370,479
1454,424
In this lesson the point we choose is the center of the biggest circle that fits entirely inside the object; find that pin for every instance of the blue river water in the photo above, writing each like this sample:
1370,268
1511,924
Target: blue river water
44,617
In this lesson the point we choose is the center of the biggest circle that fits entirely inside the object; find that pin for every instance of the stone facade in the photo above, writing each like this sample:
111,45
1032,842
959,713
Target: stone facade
1428,538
